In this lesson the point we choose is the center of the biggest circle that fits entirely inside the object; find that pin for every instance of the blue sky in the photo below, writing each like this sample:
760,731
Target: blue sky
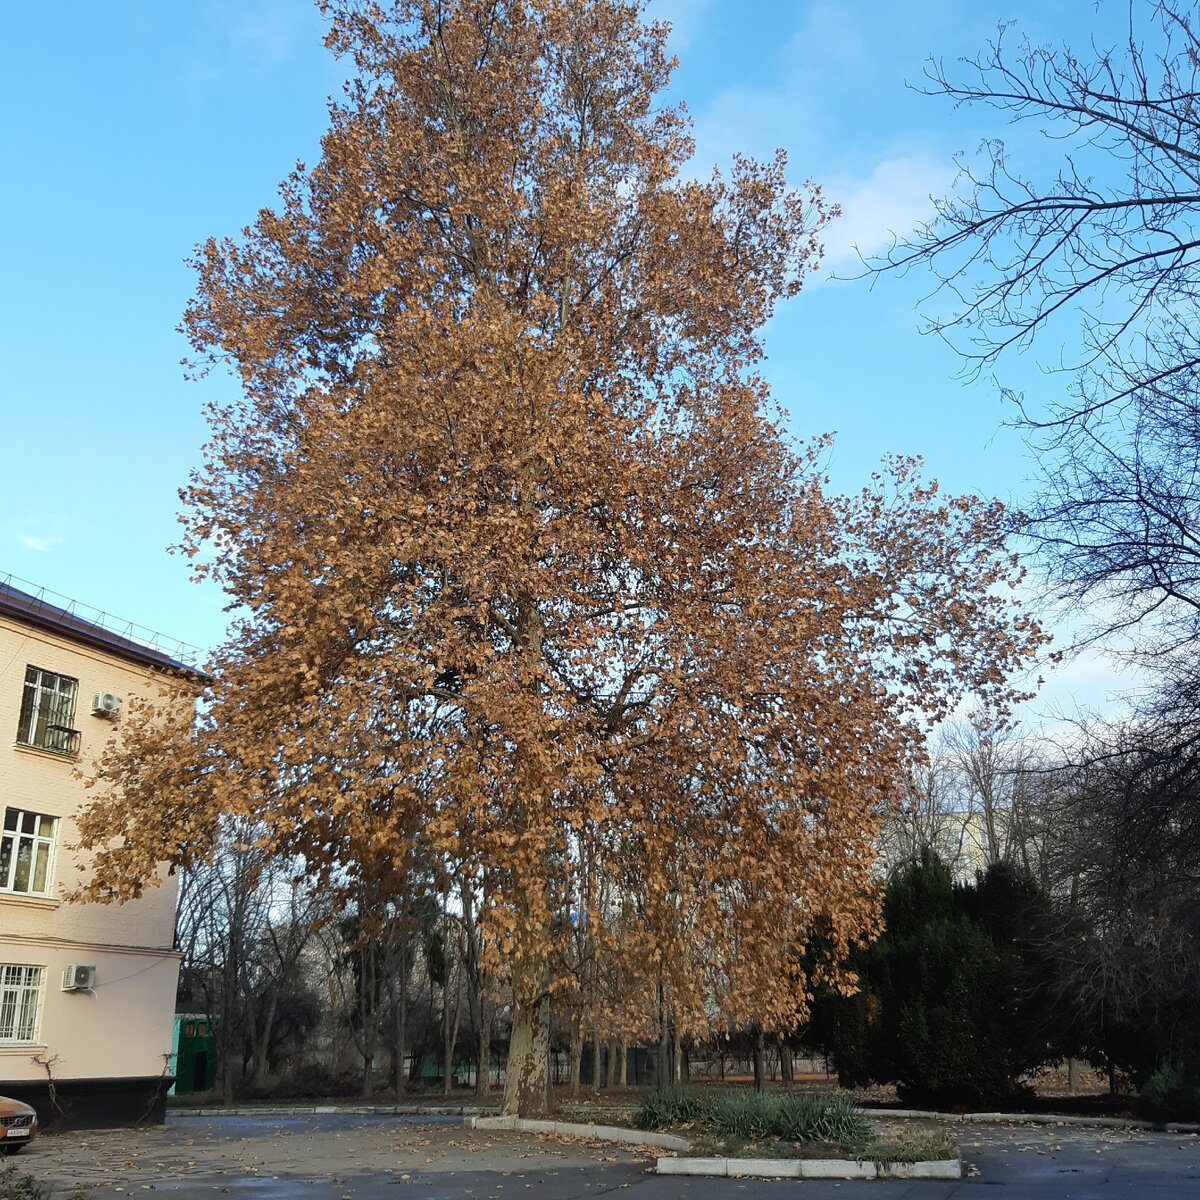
136,128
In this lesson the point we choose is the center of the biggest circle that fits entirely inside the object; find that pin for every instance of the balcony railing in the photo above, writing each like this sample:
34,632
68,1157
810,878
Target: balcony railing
58,739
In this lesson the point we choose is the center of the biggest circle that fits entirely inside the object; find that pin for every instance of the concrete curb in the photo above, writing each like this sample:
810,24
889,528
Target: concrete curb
605,1133
930,1168
732,1168
467,1110
809,1168
997,1118
354,1110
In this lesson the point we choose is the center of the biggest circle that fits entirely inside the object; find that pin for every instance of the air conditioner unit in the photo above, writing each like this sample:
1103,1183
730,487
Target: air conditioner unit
78,978
105,704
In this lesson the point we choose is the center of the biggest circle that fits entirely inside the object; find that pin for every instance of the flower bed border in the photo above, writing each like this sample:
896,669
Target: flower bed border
605,1133
762,1168
809,1168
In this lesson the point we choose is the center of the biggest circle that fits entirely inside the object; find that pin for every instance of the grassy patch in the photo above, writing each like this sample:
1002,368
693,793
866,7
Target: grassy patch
746,1124
669,1108
911,1145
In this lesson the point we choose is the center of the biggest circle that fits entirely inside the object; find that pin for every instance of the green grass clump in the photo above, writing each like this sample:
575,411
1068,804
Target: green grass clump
746,1115
1168,1096
665,1108
822,1119
788,1125
752,1116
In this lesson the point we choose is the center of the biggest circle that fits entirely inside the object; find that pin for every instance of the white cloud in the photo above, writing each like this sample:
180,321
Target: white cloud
890,204
40,544
684,17
35,530
786,102
270,30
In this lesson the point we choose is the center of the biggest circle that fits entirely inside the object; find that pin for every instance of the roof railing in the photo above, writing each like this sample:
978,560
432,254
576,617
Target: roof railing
151,639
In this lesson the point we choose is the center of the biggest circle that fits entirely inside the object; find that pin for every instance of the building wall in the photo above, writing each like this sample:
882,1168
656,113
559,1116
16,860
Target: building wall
120,1028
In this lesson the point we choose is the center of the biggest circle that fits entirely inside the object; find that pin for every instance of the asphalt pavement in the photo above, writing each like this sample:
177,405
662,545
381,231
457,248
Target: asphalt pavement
351,1157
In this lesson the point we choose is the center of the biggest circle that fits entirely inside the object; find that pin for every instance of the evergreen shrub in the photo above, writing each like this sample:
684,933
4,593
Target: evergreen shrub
1168,1095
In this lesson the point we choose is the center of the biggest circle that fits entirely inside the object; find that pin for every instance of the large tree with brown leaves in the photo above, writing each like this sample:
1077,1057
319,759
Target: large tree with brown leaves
535,589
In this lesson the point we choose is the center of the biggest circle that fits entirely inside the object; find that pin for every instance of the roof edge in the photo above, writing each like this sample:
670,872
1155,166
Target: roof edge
34,610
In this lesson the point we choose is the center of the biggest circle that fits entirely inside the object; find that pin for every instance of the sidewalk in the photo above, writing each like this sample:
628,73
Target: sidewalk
227,1148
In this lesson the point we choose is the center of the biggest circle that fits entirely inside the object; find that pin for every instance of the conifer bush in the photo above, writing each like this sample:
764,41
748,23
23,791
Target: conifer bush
1168,1095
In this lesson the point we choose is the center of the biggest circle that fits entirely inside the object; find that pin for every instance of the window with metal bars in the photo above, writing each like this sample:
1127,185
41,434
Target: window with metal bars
20,987
47,711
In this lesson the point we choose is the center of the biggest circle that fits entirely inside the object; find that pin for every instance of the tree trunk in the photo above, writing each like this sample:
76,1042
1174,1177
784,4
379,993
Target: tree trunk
483,1072
597,1056
662,1074
368,1017
759,1073
262,1043
576,1055
622,1063
450,1035
225,1045
525,1078
451,995
785,1064
400,1013
474,986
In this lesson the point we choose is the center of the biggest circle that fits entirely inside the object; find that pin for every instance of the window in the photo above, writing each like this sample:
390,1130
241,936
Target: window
47,710
19,991
25,851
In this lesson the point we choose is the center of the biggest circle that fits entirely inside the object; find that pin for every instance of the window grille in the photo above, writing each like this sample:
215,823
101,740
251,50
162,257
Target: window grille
20,987
47,711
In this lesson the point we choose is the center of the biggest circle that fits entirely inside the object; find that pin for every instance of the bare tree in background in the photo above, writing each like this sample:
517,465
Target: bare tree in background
977,800
1126,860
1098,263
244,922
930,815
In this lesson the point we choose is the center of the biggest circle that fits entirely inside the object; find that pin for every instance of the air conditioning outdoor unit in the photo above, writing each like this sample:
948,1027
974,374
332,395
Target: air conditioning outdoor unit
105,704
78,978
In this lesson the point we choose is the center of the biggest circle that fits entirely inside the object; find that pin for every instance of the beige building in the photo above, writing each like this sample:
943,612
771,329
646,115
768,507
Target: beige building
960,839
87,991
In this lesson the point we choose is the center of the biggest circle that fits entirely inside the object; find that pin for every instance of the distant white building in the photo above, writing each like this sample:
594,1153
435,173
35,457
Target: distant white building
960,839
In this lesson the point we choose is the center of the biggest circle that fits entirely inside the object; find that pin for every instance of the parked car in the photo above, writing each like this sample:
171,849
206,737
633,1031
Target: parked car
18,1125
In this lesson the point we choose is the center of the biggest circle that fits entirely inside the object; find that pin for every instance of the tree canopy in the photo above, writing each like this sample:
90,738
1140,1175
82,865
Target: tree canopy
534,587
